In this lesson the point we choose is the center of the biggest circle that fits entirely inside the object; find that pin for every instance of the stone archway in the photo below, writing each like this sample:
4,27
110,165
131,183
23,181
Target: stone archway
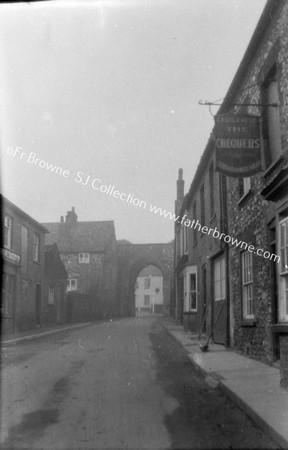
132,258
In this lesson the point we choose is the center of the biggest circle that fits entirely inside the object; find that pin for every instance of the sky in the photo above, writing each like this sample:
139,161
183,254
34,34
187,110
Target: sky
106,93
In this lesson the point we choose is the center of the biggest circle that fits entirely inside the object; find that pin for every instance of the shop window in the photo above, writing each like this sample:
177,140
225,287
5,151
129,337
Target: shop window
283,272
36,247
71,284
220,279
8,232
84,258
247,285
271,117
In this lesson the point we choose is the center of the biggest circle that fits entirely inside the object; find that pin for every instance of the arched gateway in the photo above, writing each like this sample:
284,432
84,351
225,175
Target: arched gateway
132,258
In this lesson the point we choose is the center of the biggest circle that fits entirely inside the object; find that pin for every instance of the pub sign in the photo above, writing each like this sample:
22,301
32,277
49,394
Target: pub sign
238,145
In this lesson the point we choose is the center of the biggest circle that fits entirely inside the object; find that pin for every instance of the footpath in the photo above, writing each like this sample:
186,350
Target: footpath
252,385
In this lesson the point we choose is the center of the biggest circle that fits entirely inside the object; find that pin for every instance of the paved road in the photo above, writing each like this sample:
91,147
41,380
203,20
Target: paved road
125,384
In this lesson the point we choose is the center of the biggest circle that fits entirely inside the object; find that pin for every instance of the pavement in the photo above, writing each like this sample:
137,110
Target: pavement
252,385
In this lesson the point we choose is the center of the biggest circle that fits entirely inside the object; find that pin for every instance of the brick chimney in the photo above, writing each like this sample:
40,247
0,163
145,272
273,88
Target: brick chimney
180,193
71,217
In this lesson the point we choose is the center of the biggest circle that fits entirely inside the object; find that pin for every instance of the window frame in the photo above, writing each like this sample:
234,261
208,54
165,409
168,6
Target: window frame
202,205
84,258
194,213
36,247
8,232
211,188
147,283
69,285
187,291
247,286
283,272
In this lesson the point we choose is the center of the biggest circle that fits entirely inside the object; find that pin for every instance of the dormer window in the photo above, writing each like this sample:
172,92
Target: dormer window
84,258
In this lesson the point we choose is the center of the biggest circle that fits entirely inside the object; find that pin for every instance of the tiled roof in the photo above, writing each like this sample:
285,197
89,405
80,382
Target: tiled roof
81,236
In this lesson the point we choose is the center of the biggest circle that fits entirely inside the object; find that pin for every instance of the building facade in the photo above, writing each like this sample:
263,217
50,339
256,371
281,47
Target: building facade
89,253
201,269
149,290
55,282
23,269
244,272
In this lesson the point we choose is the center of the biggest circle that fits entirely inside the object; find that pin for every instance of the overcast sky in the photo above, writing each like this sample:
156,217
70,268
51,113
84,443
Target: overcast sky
111,89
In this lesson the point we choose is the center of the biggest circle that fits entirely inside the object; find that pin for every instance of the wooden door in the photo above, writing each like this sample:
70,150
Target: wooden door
220,301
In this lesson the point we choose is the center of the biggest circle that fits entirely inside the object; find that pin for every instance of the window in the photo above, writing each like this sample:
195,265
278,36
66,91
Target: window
244,186
211,188
146,300
283,272
247,285
202,205
24,248
271,117
192,292
51,295
220,279
194,229
71,285
36,247
184,238
147,283
84,258
7,232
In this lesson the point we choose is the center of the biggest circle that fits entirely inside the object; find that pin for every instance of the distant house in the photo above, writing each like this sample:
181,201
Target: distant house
88,251
149,290
55,280
23,269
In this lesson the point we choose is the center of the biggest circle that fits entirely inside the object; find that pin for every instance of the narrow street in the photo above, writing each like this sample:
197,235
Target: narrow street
119,384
